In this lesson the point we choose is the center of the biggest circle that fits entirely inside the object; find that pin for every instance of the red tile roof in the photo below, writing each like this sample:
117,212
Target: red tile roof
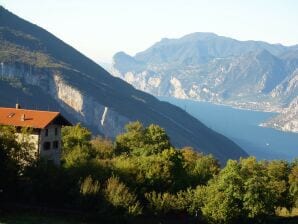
33,118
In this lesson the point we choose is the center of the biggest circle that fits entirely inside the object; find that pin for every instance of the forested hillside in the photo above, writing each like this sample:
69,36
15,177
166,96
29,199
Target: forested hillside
141,176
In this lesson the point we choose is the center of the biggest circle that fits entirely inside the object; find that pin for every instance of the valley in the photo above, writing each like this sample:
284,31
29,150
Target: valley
207,67
243,127
41,71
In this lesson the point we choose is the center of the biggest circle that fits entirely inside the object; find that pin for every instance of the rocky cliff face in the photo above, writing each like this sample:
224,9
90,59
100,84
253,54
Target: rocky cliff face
206,67
287,120
83,108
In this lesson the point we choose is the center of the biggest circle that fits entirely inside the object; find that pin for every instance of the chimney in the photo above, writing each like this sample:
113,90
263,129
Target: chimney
23,118
18,106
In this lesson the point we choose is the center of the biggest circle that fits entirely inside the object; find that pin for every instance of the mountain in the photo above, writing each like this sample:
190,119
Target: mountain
40,71
199,48
287,120
207,67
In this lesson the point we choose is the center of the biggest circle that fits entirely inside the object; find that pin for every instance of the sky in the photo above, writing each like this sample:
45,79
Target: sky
101,28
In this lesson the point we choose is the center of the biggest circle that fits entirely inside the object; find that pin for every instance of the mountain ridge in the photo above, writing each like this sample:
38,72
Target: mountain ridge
208,67
39,68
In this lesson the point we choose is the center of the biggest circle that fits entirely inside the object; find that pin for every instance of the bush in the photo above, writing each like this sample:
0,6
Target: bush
90,194
199,168
102,148
118,195
161,202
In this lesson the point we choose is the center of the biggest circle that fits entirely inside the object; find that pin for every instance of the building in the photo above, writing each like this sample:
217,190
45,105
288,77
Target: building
46,130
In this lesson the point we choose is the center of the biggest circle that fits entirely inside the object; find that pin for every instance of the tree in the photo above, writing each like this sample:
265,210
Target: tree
223,202
245,189
132,139
9,167
200,168
102,148
156,139
138,140
73,136
259,199
17,146
293,181
278,173
76,157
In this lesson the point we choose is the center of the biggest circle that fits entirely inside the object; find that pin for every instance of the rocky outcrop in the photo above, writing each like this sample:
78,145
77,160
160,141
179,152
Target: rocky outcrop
287,120
83,108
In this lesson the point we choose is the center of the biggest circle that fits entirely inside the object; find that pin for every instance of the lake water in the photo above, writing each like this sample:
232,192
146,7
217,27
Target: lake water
242,126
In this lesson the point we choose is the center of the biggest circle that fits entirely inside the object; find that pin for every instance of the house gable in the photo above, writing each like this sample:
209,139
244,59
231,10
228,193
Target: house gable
31,118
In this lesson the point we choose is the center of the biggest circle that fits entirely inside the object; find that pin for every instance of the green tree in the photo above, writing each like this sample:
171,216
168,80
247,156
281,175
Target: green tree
293,181
259,198
278,172
156,139
245,189
138,140
77,157
9,167
224,194
102,148
73,136
132,139
200,168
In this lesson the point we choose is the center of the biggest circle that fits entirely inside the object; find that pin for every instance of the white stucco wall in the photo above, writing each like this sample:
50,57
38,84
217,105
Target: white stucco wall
38,138
52,153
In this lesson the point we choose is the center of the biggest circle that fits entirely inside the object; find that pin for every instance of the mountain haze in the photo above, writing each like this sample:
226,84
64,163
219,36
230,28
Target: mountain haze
40,71
207,67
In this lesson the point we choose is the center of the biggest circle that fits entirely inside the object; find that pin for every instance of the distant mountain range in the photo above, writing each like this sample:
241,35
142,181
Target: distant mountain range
207,67
40,71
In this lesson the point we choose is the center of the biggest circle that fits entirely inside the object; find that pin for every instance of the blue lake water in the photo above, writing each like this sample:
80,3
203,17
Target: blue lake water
242,126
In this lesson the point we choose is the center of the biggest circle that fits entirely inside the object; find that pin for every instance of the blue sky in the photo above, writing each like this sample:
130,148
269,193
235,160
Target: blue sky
100,28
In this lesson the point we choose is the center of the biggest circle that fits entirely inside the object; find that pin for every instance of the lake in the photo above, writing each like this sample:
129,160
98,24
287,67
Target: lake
242,126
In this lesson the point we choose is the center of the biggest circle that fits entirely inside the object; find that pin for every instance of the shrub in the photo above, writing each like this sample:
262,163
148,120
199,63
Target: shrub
89,193
118,195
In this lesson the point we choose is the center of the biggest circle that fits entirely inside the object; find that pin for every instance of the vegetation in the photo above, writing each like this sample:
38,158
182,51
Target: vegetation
33,55
141,174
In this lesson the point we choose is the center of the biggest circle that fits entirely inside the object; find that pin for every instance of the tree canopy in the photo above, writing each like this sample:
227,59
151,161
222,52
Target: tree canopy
140,173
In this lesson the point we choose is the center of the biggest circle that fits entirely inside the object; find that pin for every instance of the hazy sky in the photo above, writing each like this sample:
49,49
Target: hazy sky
100,28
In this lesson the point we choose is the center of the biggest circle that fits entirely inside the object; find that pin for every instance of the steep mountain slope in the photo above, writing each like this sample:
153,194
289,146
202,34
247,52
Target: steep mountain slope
40,70
287,120
207,67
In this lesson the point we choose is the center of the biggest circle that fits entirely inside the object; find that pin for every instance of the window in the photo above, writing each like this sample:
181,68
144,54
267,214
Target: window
46,145
56,131
55,144
46,132
11,115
